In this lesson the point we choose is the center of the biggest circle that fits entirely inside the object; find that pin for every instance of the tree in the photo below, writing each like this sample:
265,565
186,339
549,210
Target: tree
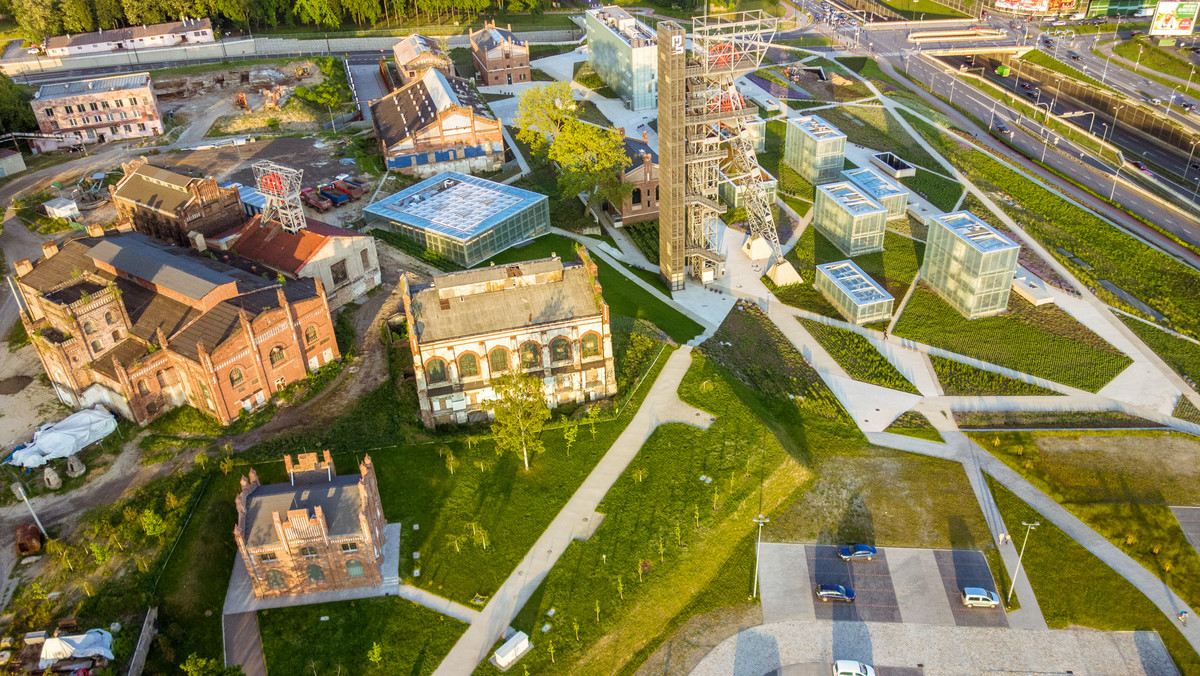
109,13
202,666
542,113
375,654
153,524
38,19
570,432
591,161
77,16
521,412
15,112
319,12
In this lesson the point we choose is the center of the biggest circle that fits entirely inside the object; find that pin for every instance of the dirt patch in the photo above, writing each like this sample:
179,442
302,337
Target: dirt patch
697,637
14,384
1166,466
236,80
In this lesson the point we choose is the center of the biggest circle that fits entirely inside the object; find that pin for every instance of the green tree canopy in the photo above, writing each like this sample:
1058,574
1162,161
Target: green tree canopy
592,160
543,112
15,112
203,666
521,413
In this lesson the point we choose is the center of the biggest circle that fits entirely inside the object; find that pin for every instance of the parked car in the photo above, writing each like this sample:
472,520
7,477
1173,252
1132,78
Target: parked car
852,668
1026,85
835,592
1076,57
1032,94
1188,107
856,552
978,597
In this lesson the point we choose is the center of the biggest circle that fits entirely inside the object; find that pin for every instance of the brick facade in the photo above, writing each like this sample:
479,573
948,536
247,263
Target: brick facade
99,110
499,57
170,206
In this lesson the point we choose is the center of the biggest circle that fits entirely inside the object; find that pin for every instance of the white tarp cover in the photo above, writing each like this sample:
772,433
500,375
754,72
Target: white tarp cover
66,437
94,643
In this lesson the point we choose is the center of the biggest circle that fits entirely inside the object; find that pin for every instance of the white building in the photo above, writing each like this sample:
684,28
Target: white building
170,34
859,298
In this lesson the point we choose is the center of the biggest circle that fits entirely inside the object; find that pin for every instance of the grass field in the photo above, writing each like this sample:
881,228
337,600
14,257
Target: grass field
1050,420
1186,410
964,380
927,11
876,128
915,424
857,356
869,69
1074,588
1154,57
942,192
1044,342
1181,355
336,638
1040,58
645,236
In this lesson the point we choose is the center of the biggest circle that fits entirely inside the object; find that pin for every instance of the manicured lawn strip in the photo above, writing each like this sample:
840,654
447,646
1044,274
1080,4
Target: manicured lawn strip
1054,420
1073,587
1089,246
1186,410
335,638
1040,58
855,353
915,424
1111,27
806,41
1181,355
963,380
650,277
907,10
875,128
868,69
623,296
645,236
1003,583
587,77
1040,341
942,192
542,51
852,91
1154,57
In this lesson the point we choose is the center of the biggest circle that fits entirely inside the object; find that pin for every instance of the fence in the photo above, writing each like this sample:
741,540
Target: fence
149,629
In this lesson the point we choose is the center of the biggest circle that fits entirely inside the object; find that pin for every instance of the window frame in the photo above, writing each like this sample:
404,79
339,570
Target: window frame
497,352
429,370
236,377
462,372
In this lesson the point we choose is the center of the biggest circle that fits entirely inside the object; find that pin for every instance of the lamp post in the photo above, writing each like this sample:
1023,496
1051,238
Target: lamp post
1028,527
1190,153
19,491
760,520
1139,59
1106,62
1114,124
1113,192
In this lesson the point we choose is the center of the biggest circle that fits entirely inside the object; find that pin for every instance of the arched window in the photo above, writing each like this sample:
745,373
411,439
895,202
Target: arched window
637,195
310,334
435,370
315,574
235,377
108,318
560,349
274,579
143,388
354,568
116,336
89,328
162,379
95,346
590,345
498,360
468,365
531,355
276,354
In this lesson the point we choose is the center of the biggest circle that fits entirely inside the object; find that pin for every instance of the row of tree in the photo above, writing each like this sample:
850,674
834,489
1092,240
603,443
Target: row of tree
40,19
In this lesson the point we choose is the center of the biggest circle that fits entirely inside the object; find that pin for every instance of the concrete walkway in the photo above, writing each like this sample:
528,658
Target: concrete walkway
577,518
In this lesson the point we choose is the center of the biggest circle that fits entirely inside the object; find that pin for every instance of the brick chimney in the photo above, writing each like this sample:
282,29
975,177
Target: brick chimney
95,230
198,241
23,267
622,130
645,137
49,249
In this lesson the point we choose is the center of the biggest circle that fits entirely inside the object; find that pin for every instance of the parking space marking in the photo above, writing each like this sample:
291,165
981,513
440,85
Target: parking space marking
918,585
783,579
961,568
875,599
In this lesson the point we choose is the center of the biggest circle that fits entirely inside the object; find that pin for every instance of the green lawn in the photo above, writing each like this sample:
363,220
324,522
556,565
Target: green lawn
645,236
942,192
336,638
1186,410
926,11
1050,420
587,77
964,380
1154,57
1181,355
1040,341
1074,588
876,128
857,356
1040,58
869,69
542,51
806,41
916,425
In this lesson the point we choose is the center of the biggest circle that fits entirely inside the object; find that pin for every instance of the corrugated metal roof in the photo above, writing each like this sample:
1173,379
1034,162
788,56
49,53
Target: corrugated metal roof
95,85
130,33
189,278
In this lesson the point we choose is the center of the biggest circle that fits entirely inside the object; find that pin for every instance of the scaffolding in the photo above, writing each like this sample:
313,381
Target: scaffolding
703,122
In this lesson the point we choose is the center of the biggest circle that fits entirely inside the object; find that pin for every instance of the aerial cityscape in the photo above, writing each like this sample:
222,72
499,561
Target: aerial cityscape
735,338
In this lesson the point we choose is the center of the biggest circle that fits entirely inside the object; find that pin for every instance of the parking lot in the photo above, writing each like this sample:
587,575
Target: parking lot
917,586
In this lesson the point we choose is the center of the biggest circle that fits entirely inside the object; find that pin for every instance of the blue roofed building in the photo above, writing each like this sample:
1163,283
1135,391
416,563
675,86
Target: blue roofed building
463,218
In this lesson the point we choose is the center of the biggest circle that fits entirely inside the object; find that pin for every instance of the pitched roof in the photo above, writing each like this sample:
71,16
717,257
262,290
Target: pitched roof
412,107
414,47
635,148
279,249
182,274
490,37
339,499
130,33
221,322
155,188
113,83
126,353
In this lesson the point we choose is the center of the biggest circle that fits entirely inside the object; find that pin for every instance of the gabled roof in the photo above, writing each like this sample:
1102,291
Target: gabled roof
412,107
221,322
279,249
183,275
490,37
418,47
635,148
131,33
155,188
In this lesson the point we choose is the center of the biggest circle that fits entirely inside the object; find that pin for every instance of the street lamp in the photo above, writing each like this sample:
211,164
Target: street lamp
1028,527
1106,62
1190,153
1115,118
1112,193
760,520
1139,59
19,491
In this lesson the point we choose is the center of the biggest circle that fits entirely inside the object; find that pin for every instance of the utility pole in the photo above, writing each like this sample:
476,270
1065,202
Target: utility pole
1028,527
19,491
760,520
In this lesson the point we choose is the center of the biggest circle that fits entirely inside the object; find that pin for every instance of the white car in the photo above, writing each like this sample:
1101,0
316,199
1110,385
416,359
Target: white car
852,668
977,597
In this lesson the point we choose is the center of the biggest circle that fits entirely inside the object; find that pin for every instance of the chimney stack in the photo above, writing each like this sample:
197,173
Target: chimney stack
49,249
622,130
645,137
95,230
198,241
23,267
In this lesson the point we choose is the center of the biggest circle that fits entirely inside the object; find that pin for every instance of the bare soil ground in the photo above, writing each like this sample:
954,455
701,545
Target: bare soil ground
678,655
1162,464
26,401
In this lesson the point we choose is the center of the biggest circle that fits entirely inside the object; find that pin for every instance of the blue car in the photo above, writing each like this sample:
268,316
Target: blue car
835,592
856,552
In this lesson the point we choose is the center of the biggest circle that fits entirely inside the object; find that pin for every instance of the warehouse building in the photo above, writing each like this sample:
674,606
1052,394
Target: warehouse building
859,298
623,51
166,204
854,222
893,197
969,263
416,54
463,218
814,148
132,38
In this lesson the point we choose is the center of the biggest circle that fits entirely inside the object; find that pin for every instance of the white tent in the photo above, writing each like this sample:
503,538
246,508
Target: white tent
95,643
66,437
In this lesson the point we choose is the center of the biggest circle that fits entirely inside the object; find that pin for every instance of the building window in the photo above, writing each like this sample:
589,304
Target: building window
560,349
91,133
531,355
104,105
114,131
436,370
310,334
143,388
655,193
93,106
95,346
120,103
116,336
274,579
277,355
315,574
338,272
637,195
132,101
127,129
468,366
68,109
590,345
498,360
349,547
109,319
161,378
267,558
308,552
141,126
49,112
89,328
366,259
235,377
354,568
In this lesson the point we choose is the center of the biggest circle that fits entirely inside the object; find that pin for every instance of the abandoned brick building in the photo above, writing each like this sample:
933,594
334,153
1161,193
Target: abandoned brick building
110,108
542,317
500,58
170,205
642,172
416,53
318,532
142,327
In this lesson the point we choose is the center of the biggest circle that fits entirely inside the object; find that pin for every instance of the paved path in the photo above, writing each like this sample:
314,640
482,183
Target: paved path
1189,521
662,405
243,643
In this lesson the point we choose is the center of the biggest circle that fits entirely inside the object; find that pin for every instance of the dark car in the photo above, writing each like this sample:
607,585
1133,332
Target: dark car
1196,165
835,592
1139,165
856,552
1003,128
1032,94
1076,57
1026,85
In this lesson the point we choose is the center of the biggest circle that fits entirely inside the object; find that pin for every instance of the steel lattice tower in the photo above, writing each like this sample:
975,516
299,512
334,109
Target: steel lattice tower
280,186
701,121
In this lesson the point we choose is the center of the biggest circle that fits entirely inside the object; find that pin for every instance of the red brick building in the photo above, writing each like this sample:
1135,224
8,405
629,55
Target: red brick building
642,172
143,327
318,532
112,108
170,205
500,58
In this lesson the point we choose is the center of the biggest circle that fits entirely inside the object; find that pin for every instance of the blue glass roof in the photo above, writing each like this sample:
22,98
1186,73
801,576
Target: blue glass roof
454,205
856,283
975,231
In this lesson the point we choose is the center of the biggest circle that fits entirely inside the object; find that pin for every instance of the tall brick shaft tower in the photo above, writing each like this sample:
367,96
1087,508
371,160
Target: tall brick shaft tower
701,121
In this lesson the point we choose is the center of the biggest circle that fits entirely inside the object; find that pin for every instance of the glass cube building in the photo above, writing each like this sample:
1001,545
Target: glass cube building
732,192
893,197
623,51
859,298
969,263
463,218
814,148
853,221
